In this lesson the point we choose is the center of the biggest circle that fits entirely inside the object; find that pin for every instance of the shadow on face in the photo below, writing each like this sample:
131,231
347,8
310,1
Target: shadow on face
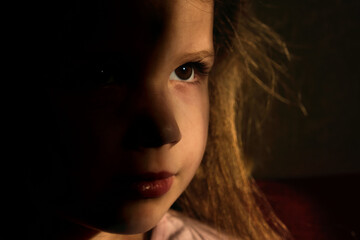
123,94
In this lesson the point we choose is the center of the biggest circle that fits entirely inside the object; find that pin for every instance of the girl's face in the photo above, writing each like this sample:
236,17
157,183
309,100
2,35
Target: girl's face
128,141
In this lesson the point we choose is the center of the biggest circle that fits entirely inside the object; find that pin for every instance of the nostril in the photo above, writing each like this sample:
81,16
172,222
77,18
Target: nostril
152,132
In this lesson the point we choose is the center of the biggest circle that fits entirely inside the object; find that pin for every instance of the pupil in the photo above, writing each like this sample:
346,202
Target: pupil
184,72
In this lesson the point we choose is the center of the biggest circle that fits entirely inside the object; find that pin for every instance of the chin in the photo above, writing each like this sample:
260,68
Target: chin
143,215
137,220
133,217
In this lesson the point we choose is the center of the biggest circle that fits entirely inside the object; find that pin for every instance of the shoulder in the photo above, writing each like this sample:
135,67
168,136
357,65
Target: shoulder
176,226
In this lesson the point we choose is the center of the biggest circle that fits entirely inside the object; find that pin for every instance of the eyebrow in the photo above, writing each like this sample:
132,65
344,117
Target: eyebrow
197,56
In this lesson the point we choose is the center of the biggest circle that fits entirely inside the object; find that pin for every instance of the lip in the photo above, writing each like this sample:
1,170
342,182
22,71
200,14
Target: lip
152,185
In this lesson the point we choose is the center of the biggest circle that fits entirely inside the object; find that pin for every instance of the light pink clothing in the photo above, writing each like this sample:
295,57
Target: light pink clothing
175,226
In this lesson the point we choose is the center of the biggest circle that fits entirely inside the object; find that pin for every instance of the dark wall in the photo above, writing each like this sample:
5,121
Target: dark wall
324,39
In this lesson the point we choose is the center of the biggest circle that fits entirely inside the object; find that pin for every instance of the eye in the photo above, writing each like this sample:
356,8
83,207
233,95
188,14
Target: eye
184,73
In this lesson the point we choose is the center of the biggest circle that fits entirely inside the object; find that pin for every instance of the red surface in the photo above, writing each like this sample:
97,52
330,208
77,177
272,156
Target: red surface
317,208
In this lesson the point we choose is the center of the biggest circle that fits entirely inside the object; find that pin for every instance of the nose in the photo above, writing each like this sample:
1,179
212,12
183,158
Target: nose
154,123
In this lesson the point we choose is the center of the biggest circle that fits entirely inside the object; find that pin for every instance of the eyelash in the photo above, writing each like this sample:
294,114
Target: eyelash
202,68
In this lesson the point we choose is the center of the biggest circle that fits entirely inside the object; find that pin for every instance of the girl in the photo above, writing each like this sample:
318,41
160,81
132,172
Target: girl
127,110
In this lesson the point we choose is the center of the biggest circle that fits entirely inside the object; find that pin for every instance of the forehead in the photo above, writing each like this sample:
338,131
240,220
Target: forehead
110,25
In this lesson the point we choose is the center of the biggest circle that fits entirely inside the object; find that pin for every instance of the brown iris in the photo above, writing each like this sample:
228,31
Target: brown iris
184,72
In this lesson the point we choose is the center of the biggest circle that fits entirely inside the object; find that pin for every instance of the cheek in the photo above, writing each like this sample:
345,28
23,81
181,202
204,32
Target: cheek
193,118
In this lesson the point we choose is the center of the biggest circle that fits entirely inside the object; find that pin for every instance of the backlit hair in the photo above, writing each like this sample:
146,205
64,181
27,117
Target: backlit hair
245,77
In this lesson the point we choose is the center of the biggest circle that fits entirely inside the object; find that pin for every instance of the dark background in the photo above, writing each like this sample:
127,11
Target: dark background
309,166
324,40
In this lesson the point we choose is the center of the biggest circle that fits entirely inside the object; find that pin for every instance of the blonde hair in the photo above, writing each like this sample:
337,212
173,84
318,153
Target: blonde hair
247,72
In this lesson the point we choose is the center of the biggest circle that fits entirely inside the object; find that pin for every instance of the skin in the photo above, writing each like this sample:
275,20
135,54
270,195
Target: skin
96,136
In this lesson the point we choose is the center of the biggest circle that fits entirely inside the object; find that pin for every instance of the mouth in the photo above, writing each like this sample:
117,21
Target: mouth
141,186
152,185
